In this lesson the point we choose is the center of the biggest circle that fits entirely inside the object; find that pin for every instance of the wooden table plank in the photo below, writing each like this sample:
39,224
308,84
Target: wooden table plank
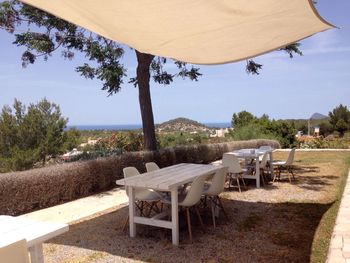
167,178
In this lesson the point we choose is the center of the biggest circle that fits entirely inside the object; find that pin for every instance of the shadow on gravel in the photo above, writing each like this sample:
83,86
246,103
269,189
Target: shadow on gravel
254,232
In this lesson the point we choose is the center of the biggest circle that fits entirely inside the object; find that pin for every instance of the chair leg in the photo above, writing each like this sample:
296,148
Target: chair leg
262,176
239,185
290,179
222,207
189,223
125,223
213,213
199,217
241,177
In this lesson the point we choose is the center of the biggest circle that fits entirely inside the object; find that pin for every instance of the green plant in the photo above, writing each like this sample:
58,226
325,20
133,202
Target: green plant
33,134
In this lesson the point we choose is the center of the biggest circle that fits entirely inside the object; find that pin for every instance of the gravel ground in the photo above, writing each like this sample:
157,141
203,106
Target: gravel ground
276,223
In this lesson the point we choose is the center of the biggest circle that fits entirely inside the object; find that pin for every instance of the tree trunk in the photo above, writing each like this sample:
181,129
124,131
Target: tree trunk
143,80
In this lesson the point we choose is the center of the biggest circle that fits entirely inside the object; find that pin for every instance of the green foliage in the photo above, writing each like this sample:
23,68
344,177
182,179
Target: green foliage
124,141
29,135
340,119
242,118
71,139
247,126
249,132
181,138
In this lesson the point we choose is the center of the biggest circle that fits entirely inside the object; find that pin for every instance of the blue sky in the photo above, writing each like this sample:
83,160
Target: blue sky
286,88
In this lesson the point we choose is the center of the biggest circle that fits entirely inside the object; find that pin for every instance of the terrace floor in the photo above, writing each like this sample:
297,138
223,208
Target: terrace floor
280,222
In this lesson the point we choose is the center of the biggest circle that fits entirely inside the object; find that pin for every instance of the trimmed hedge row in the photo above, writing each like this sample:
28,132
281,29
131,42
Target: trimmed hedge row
23,192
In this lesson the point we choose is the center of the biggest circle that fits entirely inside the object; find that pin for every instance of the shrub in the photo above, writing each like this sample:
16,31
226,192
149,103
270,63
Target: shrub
22,192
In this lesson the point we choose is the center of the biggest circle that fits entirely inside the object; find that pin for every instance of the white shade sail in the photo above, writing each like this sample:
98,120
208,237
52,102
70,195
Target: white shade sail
194,31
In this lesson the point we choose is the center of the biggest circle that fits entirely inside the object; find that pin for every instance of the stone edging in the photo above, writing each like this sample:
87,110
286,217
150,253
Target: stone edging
339,248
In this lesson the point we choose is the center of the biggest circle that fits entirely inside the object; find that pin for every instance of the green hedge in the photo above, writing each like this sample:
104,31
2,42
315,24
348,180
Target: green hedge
22,192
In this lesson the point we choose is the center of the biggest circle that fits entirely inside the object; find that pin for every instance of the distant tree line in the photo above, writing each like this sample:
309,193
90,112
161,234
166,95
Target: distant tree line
33,134
247,126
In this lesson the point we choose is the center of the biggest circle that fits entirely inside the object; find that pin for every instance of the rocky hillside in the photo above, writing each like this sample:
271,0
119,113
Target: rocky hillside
318,116
182,124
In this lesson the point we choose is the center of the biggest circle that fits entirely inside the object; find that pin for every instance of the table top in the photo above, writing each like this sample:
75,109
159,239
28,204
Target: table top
253,153
168,178
35,232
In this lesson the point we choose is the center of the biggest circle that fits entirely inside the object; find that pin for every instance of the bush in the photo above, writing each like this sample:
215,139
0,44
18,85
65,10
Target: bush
22,192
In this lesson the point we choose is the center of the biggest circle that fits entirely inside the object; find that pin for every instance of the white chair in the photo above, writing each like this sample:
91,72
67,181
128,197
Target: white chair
265,148
235,170
190,199
14,252
262,166
213,190
285,165
151,166
143,197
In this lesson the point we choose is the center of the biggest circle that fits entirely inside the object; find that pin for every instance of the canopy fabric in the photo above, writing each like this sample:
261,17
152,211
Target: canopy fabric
196,31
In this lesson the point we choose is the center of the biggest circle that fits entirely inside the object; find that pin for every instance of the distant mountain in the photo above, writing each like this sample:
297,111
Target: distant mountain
318,116
182,124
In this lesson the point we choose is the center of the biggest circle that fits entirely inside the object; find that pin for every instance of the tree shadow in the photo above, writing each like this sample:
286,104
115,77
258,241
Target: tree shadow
254,232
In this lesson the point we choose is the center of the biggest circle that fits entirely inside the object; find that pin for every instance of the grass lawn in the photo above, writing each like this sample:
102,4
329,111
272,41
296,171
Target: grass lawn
279,222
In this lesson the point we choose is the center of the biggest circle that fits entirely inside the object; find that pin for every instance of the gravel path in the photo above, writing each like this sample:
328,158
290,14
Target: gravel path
276,223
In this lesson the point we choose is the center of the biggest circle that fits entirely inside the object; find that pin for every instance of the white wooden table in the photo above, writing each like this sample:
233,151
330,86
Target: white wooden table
166,179
254,154
35,233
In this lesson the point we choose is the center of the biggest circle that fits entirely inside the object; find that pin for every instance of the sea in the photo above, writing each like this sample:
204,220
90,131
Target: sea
127,127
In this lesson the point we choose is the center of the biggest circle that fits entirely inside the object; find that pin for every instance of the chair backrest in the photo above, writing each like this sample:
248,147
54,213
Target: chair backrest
218,182
264,160
232,162
140,194
130,171
151,166
195,192
15,252
290,158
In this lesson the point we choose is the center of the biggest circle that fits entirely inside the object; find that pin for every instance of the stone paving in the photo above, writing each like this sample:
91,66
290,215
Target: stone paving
82,208
339,249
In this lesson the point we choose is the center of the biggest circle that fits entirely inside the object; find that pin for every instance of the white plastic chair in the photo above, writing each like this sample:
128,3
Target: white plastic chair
151,166
265,148
262,166
287,165
213,190
190,199
143,197
235,170
14,252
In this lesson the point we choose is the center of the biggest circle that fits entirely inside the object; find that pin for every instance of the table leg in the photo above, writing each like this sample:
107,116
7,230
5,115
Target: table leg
175,217
36,253
271,165
132,225
257,172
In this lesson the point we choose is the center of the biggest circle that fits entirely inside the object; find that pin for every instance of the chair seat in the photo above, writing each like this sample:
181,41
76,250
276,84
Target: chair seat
279,163
167,199
148,195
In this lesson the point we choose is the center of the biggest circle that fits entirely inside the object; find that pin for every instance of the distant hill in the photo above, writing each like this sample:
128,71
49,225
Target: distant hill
182,124
318,116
